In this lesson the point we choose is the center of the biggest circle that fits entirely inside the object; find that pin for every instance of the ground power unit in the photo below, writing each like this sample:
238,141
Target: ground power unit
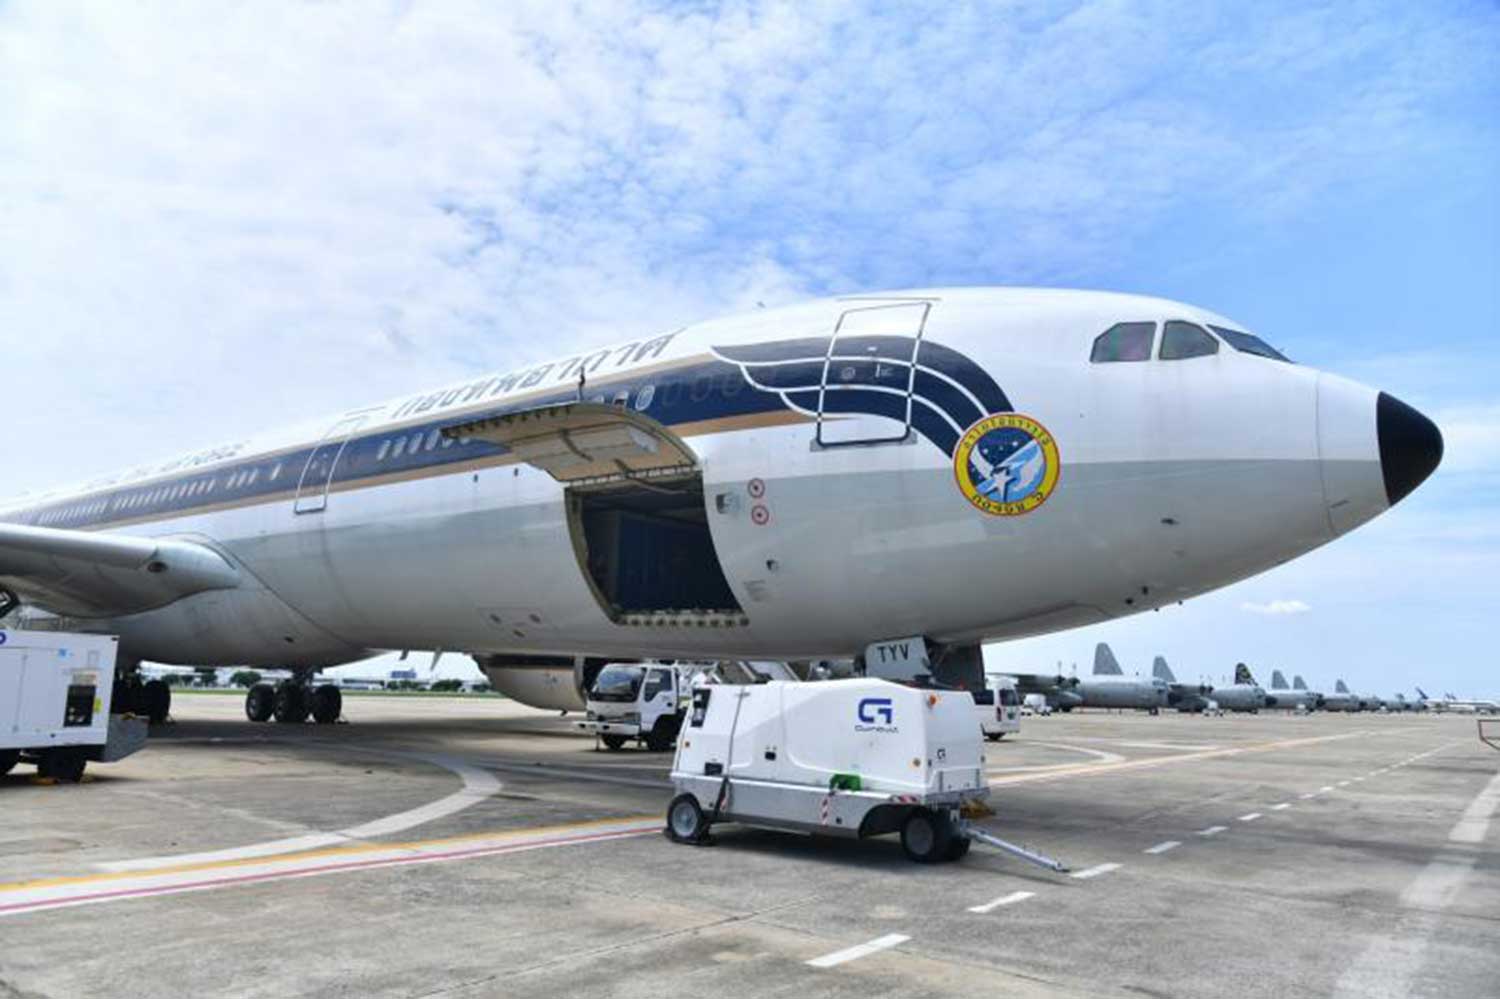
55,691
846,758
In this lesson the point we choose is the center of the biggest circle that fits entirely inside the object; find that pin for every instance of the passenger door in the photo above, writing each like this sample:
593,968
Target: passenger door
317,474
869,373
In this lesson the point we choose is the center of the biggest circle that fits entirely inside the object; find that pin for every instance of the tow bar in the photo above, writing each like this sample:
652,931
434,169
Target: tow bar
967,828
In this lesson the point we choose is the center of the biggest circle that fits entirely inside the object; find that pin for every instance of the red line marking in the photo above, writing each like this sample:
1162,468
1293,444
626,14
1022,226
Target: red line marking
353,865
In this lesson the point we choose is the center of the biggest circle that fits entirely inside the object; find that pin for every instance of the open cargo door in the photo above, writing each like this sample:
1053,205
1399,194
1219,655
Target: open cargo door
580,441
636,511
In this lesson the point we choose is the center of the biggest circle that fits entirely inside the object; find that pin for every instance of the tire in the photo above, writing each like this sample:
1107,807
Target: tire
260,702
926,836
8,759
613,743
958,847
156,701
291,704
327,703
660,738
64,765
685,820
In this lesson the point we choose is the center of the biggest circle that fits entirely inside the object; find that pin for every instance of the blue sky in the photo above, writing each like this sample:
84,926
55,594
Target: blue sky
266,212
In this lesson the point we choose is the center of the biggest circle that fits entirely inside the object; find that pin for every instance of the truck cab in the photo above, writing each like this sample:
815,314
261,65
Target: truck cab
998,707
640,702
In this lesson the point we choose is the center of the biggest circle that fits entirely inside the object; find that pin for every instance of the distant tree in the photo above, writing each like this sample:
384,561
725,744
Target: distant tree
482,687
245,678
207,676
447,685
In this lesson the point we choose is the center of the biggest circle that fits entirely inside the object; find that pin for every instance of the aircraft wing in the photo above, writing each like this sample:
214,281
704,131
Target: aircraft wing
90,574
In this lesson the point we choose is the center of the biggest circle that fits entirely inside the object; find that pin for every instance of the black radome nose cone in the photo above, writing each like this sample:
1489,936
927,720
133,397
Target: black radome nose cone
1410,446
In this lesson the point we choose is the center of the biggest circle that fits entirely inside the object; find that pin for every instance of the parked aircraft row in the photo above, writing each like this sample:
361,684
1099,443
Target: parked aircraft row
1109,687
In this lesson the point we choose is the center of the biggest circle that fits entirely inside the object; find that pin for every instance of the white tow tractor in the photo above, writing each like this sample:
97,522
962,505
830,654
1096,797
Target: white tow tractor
848,758
641,702
55,693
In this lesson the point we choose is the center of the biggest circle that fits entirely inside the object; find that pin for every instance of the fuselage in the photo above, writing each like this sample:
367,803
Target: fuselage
836,502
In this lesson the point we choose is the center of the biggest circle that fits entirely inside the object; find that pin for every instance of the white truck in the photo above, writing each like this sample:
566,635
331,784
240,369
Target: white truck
55,693
640,702
849,758
998,707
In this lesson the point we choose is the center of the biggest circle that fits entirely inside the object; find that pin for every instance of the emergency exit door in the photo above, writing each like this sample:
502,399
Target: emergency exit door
317,474
869,374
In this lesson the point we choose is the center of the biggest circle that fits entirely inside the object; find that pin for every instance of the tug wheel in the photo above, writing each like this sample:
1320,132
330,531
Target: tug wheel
613,742
8,759
327,703
685,821
260,702
958,847
64,765
926,836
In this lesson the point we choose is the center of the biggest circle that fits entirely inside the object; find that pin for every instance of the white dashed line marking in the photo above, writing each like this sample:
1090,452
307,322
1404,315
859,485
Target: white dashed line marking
1343,783
1011,899
861,950
1310,794
1212,830
1250,817
1282,805
1095,871
1325,789
1170,844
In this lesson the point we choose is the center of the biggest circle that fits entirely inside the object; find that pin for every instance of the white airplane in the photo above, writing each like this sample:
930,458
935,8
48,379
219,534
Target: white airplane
1458,705
817,481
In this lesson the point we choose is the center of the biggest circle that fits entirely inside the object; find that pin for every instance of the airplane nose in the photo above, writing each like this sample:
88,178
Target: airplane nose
1373,449
1410,446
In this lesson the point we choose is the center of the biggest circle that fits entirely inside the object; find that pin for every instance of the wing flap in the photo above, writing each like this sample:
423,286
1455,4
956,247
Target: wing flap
88,574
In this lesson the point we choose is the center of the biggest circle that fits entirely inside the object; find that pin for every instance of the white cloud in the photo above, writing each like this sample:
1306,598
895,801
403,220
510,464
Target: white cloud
1276,607
272,211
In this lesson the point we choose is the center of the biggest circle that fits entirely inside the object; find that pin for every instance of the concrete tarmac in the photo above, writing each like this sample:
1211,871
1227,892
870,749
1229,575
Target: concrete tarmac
468,848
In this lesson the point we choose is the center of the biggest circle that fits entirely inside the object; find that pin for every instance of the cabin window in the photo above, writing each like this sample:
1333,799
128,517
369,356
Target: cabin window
385,449
1180,340
400,447
1123,342
1247,343
432,439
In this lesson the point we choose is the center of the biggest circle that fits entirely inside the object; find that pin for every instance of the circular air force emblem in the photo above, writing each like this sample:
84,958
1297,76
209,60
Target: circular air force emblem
1006,464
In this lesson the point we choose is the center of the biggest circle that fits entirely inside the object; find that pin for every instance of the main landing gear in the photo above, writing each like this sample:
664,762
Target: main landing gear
293,702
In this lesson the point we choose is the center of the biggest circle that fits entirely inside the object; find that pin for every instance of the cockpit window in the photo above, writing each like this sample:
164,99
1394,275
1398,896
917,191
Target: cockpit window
1124,342
1181,340
1245,343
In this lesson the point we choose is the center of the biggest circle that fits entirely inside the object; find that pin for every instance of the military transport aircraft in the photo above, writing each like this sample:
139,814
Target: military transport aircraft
1189,698
1242,695
863,475
1296,697
1109,687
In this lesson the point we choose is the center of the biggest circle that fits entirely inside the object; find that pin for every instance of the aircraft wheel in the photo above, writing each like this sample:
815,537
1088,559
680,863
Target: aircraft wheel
260,702
613,742
291,703
995,736
156,701
327,704
685,820
8,759
926,836
65,765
